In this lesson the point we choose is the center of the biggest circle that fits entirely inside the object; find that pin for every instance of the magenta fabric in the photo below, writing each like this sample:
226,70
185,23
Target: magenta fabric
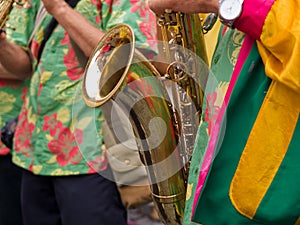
209,155
253,17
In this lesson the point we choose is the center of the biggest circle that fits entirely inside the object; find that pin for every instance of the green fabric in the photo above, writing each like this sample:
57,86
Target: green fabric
236,128
12,92
214,95
279,206
134,13
57,133
10,103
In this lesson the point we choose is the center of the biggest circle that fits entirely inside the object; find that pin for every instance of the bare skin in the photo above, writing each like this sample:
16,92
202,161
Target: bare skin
4,74
81,30
185,6
17,61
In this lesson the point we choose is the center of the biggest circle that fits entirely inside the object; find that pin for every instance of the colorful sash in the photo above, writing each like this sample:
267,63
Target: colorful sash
245,176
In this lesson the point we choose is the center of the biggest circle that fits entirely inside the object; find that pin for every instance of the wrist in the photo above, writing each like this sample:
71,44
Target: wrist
214,8
57,10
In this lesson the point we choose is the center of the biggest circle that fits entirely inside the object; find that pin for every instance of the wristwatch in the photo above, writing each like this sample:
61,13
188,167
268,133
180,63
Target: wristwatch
229,11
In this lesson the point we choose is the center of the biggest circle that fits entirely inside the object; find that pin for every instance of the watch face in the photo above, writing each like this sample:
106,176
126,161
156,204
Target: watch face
230,9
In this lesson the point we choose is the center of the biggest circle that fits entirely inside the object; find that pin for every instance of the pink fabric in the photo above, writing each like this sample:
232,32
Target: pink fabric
253,17
208,157
4,151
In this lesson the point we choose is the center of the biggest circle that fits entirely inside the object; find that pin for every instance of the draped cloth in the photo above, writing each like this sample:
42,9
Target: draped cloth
246,160
250,162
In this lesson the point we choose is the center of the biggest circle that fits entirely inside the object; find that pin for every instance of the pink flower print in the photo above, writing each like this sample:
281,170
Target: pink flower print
40,89
99,164
23,135
98,19
2,83
52,125
64,149
74,70
78,134
108,2
211,111
3,150
35,48
98,5
140,6
24,90
147,29
30,168
65,39
10,83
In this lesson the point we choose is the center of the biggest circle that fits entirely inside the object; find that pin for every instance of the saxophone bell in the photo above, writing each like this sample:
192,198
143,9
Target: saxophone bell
117,71
164,124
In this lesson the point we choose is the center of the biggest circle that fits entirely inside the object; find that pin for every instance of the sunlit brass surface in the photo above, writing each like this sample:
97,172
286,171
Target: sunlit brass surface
184,49
6,6
118,72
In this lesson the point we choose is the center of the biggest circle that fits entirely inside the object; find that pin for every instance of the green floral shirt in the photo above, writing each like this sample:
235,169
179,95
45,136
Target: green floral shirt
57,133
12,92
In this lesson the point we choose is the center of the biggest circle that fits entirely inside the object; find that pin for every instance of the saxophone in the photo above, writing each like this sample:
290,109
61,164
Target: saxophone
164,122
6,6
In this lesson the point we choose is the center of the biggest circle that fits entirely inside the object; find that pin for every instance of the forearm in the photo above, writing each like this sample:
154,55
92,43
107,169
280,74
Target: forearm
186,6
85,34
14,60
274,24
4,74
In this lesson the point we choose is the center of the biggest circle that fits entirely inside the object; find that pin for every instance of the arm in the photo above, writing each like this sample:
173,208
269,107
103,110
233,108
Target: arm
14,60
186,6
81,30
4,74
274,24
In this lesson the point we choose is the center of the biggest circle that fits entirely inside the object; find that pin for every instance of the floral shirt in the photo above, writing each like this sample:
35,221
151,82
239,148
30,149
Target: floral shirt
12,92
57,133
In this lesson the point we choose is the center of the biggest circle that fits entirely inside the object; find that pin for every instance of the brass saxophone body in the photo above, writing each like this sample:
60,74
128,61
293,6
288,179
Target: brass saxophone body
6,6
164,124
185,51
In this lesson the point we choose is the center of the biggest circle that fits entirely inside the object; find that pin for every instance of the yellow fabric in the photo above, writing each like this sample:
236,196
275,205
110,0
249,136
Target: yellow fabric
271,134
280,44
211,38
298,221
265,148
